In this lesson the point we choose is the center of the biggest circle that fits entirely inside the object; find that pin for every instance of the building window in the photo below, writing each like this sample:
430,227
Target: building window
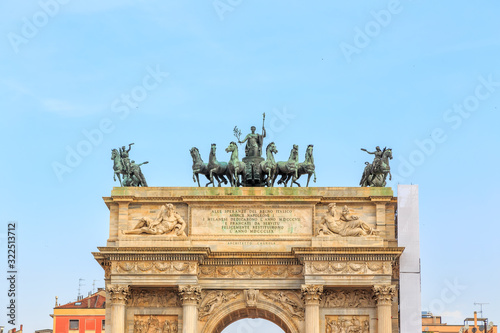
103,325
74,324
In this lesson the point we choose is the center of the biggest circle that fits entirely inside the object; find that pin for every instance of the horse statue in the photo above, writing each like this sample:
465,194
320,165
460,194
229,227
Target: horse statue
219,169
118,166
289,169
235,166
307,167
376,176
268,167
200,167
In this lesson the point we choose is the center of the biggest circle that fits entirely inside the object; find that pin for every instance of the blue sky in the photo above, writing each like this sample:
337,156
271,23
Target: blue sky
418,76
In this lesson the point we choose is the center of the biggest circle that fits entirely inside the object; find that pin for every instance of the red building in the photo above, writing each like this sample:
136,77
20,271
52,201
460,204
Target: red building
83,316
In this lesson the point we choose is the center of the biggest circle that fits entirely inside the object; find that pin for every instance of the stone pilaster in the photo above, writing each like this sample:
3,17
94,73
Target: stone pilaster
311,294
118,297
383,294
190,296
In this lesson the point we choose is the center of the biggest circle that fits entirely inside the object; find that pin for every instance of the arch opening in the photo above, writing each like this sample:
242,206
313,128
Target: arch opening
251,314
253,326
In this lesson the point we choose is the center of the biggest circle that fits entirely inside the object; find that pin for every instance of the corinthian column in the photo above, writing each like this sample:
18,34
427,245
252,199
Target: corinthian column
311,294
118,296
383,294
190,296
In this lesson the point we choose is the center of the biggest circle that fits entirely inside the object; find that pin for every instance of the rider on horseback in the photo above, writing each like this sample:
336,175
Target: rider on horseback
125,159
378,158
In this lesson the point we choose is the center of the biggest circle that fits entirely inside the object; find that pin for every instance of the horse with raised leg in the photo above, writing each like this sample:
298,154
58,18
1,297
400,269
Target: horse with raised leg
235,166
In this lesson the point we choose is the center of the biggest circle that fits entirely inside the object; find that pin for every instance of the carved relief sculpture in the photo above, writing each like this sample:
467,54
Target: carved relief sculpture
251,296
347,298
167,222
155,324
288,300
347,324
153,298
345,225
213,299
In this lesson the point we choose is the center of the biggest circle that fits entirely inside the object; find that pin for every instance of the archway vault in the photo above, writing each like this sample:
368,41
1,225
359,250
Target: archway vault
238,310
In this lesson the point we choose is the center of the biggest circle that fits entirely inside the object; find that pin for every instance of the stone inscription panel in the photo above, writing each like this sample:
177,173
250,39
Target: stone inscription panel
250,220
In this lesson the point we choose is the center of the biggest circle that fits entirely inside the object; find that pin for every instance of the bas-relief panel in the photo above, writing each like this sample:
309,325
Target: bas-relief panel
155,324
347,324
153,298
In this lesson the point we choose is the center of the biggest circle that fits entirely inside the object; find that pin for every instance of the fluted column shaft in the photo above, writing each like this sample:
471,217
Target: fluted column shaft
311,294
190,296
383,294
118,295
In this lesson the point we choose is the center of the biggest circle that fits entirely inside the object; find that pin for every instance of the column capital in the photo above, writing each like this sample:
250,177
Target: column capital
311,293
383,293
118,293
190,294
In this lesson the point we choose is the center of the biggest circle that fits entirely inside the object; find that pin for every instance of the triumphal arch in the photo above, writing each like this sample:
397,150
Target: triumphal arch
195,259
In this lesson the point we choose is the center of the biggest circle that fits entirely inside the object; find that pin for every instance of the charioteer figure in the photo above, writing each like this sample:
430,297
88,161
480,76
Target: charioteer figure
254,142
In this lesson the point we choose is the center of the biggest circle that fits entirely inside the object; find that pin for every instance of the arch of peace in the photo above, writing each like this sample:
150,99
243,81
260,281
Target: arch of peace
194,260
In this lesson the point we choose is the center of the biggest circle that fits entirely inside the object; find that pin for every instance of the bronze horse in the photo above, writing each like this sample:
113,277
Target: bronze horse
288,169
235,166
376,177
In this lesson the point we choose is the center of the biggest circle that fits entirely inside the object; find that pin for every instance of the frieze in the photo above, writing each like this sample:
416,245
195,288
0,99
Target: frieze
290,301
347,267
157,297
347,298
154,267
156,324
212,300
251,271
354,324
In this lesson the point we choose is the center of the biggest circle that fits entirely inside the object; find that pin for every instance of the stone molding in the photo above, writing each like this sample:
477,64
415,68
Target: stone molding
347,298
190,294
152,267
311,293
347,267
251,271
118,293
383,294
